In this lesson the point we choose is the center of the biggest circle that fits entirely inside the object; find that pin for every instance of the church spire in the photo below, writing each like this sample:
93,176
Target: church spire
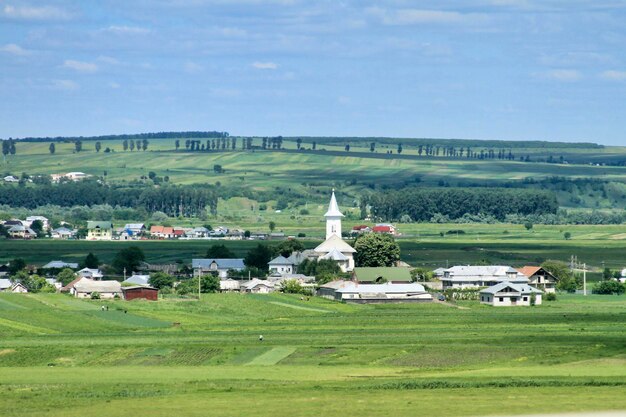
333,218
333,207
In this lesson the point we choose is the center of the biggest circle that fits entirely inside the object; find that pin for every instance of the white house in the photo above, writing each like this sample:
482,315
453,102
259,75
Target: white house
44,221
539,278
480,276
387,292
281,265
220,266
92,273
21,232
11,178
257,286
63,233
510,294
106,289
19,288
334,247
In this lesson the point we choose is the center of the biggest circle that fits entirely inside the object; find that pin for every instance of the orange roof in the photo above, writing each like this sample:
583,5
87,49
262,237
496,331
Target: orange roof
529,271
156,229
168,230
381,229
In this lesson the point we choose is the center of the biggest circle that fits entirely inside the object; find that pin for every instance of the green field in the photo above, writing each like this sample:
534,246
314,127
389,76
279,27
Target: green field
64,357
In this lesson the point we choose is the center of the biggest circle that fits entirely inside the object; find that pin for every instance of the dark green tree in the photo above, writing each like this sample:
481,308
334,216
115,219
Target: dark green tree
376,249
52,148
16,265
287,247
37,227
177,144
609,287
66,276
128,258
125,144
272,226
91,261
161,280
258,257
219,252
98,146
78,146
565,278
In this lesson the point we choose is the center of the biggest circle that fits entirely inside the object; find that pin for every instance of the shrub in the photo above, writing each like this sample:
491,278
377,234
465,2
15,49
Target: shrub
609,287
95,295
551,296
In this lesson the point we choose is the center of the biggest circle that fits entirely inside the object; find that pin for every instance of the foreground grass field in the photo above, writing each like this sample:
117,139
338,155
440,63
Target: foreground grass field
65,357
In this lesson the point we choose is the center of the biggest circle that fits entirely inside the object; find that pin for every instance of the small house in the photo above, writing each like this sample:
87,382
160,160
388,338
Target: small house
21,232
229,285
63,233
5,284
257,286
92,273
510,294
85,288
219,266
19,288
386,228
471,276
60,265
97,230
44,221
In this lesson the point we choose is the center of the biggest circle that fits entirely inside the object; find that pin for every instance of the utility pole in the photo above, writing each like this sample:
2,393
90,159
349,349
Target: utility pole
584,279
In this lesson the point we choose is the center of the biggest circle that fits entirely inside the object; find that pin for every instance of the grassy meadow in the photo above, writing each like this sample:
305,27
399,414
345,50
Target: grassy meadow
65,357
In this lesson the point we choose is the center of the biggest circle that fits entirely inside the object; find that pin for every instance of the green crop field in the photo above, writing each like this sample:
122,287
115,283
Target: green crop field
65,357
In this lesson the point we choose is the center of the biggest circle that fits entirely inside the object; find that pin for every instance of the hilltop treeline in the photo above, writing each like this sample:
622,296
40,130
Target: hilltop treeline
172,200
133,136
422,204
448,143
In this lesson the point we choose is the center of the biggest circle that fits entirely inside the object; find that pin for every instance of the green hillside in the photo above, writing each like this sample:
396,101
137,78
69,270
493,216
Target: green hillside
65,357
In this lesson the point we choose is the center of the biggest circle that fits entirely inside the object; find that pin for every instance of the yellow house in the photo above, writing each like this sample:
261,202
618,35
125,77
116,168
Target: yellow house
99,230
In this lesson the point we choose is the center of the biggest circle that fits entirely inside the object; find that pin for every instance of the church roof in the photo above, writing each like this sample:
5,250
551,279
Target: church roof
333,208
335,255
334,242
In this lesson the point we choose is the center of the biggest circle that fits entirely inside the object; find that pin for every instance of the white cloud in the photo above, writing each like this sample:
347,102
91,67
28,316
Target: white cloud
232,32
108,60
265,65
127,30
562,75
421,16
114,85
14,49
80,66
34,13
613,75
65,85
344,100
192,68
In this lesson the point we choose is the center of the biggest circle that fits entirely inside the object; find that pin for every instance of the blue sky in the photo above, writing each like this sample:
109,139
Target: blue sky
486,69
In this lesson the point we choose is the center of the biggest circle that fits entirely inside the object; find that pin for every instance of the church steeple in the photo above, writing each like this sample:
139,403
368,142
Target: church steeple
333,218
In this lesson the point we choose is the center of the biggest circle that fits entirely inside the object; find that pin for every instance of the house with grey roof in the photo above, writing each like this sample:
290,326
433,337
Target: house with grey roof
281,265
63,233
5,284
471,276
93,273
97,230
220,266
257,286
60,265
137,279
510,294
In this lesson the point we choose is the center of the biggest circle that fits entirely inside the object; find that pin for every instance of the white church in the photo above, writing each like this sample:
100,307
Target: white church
334,247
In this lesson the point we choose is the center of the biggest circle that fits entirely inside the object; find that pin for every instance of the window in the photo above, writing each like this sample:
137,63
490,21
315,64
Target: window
525,298
501,299
482,298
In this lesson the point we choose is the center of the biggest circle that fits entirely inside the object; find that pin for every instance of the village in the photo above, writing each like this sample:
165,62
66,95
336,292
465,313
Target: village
497,285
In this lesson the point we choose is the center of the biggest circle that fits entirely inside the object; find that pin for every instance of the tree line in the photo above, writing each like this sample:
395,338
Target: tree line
133,136
172,200
422,204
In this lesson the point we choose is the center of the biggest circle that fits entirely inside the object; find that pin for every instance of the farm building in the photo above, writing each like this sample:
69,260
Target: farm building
480,276
368,275
18,287
510,294
99,230
220,266
382,293
140,292
85,288
5,284
387,228
328,290
540,278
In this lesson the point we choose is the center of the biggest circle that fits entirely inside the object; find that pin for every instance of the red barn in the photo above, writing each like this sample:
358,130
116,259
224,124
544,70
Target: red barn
147,293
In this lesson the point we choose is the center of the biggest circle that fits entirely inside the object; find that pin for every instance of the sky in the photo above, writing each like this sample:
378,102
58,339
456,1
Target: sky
476,69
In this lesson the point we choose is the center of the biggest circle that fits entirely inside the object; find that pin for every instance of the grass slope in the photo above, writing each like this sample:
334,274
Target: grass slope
323,359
